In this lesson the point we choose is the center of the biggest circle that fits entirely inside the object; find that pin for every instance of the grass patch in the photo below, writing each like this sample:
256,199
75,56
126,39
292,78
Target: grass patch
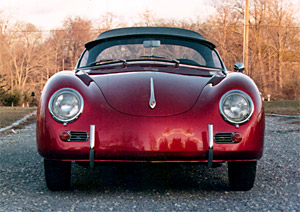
9,115
283,107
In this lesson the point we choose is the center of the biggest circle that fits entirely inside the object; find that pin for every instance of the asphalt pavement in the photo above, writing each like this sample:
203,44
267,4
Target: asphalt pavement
153,187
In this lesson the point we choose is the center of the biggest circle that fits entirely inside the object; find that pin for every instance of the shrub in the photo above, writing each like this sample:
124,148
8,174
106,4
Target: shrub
15,98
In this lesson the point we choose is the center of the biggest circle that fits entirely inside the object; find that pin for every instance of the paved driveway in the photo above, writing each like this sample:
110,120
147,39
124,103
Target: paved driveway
153,187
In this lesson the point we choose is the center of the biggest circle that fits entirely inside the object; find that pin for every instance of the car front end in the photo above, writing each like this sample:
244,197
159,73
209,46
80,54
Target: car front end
150,110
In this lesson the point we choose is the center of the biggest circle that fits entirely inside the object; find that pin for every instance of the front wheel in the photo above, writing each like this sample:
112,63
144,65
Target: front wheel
57,174
241,175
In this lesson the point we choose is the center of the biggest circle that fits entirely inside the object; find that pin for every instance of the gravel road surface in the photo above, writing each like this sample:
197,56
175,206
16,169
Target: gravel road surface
153,187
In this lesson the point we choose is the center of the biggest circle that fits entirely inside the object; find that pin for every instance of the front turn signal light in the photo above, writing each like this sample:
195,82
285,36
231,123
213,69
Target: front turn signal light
237,137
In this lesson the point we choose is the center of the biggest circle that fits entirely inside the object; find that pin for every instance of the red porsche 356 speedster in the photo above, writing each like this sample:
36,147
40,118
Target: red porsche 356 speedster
150,94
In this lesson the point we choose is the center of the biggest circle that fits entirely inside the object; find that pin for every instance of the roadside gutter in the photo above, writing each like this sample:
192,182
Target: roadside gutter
15,124
283,116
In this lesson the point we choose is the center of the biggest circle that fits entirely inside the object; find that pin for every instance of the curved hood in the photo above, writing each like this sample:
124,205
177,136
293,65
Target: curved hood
150,93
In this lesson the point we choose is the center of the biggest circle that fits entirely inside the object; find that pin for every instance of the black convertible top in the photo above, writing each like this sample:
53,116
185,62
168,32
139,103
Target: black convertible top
150,31
140,31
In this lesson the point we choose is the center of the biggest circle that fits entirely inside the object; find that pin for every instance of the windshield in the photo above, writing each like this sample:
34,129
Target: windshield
185,52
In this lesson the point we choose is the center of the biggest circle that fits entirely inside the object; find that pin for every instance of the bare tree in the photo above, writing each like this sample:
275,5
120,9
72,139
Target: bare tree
77,32
109,21
274,46
27,59
274,42
147,18
23,59
225,29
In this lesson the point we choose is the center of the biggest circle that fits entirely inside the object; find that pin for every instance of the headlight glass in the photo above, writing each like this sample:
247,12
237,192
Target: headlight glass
236,107
66,105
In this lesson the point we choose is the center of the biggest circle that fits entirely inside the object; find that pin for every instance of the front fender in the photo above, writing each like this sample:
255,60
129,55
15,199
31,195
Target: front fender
47,129
252,131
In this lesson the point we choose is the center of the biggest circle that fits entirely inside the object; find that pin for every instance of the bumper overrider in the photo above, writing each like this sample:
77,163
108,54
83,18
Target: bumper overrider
92,146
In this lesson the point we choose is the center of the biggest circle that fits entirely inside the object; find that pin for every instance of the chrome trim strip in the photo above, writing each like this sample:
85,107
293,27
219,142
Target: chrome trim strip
92,146
224,67
152,101
210,136
210,145
88,69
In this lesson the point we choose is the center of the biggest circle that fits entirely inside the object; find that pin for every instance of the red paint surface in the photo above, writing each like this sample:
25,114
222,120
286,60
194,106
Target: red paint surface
127,129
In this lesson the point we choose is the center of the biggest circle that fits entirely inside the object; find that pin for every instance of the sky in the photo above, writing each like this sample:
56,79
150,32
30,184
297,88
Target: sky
50,14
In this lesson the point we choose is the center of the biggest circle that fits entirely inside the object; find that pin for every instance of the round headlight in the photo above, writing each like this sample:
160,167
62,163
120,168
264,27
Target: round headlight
236,106
66,105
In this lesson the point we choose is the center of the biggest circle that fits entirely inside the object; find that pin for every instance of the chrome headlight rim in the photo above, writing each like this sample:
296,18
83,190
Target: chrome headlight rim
54,97
243,95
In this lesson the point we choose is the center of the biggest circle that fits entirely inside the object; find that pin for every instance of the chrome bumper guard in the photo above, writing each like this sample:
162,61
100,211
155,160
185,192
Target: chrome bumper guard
210,145
92,146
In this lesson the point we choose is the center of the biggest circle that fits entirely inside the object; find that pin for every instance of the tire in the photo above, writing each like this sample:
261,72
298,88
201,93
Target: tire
57,174
241,175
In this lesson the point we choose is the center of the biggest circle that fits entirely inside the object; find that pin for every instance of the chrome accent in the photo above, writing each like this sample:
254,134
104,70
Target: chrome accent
236,123
79,136
210,136
223,137
210,145
224,70
239,67
96,71
152,102
79,61
92,146
62,91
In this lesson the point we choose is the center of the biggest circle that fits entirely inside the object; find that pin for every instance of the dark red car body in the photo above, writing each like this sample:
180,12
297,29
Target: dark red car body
123,127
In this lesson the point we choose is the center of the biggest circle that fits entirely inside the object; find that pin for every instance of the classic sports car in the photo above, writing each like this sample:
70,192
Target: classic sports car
151,94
